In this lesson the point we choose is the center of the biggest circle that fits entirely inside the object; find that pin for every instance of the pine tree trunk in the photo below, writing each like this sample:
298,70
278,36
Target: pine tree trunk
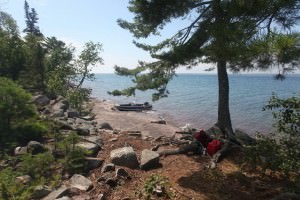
224,120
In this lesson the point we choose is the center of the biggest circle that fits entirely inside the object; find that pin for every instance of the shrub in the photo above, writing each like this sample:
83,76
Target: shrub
74,161
30,130
77,96
280,151
154,182
37,166
10,188
15,105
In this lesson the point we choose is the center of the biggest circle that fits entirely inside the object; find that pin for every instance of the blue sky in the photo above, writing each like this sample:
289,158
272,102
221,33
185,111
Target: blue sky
79,21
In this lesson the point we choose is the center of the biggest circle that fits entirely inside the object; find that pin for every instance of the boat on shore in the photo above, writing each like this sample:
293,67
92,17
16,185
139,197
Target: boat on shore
134,107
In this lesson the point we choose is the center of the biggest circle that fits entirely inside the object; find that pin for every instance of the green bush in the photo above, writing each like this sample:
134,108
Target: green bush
77,97
152,183
10,188
37,166
74,160
15,105
280,151
30,130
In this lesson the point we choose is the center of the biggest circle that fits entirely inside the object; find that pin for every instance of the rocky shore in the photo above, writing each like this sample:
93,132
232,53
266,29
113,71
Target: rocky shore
120,144
124,159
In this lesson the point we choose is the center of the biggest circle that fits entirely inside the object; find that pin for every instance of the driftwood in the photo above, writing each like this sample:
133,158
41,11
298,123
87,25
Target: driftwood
185,149
159,122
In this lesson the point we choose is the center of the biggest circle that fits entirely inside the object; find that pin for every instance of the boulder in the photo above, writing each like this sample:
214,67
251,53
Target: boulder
64,124
61,104
40,192
20,151
93,139
93,163
41,100
149,159
80,182
106,126
57,113
71,113
35,147
84,131
84,128
125,156
91,148
108,168
58,193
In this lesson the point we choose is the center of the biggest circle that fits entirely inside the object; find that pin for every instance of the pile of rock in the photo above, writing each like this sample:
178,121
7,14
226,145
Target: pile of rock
113,172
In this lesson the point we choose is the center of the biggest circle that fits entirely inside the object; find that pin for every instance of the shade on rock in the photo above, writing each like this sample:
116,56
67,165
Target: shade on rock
125,156
149,159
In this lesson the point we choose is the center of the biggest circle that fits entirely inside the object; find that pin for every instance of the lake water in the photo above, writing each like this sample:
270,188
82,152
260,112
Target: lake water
193,98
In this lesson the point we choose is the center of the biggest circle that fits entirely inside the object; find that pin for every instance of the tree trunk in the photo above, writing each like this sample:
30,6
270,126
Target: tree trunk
224,120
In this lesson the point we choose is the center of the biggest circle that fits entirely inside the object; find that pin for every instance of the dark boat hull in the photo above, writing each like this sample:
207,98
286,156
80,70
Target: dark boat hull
134,107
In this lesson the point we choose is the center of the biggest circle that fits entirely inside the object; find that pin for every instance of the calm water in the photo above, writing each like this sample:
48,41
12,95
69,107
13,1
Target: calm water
194,98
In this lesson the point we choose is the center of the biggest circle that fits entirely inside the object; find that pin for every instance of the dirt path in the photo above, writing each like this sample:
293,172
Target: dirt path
131,121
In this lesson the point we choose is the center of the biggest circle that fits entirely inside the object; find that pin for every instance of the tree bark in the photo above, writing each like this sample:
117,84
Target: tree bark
224,120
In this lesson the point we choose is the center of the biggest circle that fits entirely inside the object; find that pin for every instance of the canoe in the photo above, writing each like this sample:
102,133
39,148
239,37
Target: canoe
134,107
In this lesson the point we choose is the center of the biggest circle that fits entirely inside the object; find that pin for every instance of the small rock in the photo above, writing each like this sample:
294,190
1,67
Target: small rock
101,197
83,131
20,151
91,148
159,191
93,139
24,179
113,139
64,198
106,126
35,147
124,157
122,173
93,163
60,192
111,182
41,100
40,192
149,159
63,124
71,113
80,182
108,168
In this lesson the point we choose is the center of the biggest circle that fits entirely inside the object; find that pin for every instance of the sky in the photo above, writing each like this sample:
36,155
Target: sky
79,21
